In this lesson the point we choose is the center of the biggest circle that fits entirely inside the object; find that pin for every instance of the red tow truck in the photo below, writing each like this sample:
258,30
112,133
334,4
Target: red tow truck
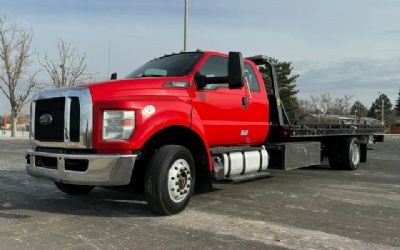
176,124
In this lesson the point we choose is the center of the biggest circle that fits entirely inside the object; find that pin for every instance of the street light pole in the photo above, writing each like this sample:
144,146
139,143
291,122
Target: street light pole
383,121
185,32
355,116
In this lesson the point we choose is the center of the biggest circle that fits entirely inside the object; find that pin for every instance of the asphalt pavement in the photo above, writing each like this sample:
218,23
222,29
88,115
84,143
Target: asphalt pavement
309,208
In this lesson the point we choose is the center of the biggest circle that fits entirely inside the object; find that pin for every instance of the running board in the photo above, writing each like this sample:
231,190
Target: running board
247,177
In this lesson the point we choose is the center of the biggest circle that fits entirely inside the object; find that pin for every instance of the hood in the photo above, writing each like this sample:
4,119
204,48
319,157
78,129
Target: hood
134,87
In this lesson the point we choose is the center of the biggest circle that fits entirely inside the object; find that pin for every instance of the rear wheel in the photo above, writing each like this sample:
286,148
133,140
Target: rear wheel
170,180
345,154
73,189
351,153
334,156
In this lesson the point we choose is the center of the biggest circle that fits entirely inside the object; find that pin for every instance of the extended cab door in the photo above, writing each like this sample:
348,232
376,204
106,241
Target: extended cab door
229,116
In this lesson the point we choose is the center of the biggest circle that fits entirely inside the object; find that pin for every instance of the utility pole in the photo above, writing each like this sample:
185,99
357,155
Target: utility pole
185,26
382,108
383,105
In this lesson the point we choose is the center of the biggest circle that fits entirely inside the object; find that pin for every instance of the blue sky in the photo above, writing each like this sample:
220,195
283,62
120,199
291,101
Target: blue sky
340,47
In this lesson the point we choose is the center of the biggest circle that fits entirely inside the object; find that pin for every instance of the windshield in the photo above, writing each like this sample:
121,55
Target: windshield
174,65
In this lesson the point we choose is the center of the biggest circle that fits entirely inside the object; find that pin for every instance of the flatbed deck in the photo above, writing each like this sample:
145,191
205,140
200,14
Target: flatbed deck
332,130
320,132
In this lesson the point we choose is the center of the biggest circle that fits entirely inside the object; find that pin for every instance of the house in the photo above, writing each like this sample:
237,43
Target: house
369,121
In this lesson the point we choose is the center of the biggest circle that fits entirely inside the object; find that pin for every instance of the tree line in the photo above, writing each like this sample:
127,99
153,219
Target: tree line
17,78
325,104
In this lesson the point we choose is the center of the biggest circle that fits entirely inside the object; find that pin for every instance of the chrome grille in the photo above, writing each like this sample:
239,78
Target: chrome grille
71,109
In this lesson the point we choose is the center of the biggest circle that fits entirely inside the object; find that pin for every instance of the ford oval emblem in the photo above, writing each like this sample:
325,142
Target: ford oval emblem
45,119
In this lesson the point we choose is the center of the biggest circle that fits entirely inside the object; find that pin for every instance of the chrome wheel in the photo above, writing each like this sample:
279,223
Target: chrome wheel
355,154
179,179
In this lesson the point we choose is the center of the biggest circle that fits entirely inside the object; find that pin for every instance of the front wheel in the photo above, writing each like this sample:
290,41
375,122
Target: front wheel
170,179
73,189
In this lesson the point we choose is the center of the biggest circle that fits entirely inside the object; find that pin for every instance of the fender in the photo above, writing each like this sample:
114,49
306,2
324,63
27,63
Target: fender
198,127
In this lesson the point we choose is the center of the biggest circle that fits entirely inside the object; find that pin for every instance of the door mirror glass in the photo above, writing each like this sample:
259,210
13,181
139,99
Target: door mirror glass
235,70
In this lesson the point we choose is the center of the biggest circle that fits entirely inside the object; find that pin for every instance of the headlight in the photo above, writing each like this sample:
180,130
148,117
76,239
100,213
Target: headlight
118,125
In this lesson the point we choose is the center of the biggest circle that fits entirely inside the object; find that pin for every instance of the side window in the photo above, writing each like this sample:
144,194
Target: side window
267,78
215,66
251,78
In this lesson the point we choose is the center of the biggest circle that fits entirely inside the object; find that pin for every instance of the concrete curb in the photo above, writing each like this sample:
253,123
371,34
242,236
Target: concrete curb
392,135
14,139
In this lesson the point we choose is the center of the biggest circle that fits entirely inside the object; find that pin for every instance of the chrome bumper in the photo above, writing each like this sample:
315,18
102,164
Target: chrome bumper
102,170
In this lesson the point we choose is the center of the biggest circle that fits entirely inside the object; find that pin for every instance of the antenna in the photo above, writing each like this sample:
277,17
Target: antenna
109,58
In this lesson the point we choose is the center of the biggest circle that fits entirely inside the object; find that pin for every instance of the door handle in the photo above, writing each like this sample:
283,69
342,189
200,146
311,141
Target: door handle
245,102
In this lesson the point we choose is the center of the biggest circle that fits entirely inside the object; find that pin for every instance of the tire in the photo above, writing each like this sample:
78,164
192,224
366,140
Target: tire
351,153
170,180
364,153
74,189
334,156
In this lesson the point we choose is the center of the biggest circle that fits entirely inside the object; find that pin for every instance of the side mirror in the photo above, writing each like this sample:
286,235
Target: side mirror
201,81
113,76
235,70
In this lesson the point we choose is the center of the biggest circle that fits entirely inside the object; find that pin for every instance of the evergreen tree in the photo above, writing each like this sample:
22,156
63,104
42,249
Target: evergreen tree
286,83
397,106
372,111
359,109
376,108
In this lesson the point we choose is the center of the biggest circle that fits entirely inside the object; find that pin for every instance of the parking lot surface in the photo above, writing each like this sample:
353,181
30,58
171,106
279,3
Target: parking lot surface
299,209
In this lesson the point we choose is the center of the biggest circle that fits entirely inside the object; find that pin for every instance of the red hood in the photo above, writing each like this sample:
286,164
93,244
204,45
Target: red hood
133,87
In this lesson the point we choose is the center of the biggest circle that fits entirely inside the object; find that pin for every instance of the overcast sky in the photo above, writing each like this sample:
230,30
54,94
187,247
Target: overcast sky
341,47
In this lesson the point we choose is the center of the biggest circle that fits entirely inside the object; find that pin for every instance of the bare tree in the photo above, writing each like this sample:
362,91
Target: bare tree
322,103
15,81
305,107
341,105
68,69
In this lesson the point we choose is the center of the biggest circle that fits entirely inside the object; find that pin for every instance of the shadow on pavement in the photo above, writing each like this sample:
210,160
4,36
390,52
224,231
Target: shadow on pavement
28,193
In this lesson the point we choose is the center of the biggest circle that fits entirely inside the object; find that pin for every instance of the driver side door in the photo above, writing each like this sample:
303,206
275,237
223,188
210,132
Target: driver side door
222,110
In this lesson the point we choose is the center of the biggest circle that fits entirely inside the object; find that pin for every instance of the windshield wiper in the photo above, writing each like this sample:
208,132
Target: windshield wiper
148,75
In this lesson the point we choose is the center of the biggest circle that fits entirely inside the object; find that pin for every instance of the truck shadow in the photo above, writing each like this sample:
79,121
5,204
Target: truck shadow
317,167
25,193
13,216
21,194
321,167
100,203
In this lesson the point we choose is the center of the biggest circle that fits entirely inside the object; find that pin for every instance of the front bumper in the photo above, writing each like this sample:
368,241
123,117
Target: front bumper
99,170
